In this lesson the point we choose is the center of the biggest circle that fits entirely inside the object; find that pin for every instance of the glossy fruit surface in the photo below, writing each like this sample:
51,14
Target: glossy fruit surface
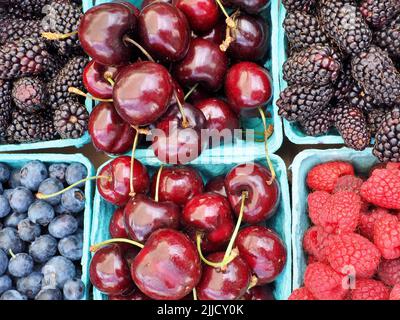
134,295
216,34
249,6
95,79
216,185
117,224
147,2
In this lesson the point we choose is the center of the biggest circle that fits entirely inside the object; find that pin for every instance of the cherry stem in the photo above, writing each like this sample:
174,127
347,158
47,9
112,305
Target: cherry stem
253,282
268,130
108,77
190,91
86,95
11,253
229,36
143,50
195,294
185,122
43,196
229,21
58,36
210,263
97,246
158,183
134,146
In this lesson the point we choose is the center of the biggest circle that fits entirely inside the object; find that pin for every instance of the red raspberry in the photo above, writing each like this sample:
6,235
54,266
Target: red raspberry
323,177
348,183
325,283
367,221
395,293
383,188
393,166
316,202
387,236
301,294
353,255
368,289
315,242
389,272
379,165
311,259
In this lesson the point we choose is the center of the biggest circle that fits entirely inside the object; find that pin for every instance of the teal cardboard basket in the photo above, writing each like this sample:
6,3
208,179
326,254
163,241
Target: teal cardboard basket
18,160
302,164
211,167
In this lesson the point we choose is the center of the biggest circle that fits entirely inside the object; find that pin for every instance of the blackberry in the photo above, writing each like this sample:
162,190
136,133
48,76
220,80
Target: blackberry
69,76
389,38
318,123
379,13
375,118
5,106
387,139
303,5
71,120
302,30
56,63
15,29
25,7
29,94
298,102
376,73
358,98
23,57
352,126
316,65
344,84
345,25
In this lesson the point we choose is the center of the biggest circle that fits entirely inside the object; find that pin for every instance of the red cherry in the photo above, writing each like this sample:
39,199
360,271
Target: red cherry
199,94
259,293
145,3
250,6
134,295
178,92
216,34
117,224
95,79
216,185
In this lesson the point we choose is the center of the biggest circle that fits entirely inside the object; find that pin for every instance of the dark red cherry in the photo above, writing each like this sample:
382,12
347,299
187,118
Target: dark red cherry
129,251
248,86
116,188
216,34
147,2
101,32
216,185
95,79
263,198
117,224
250,6
259,293
109,272
264,252
143,216
199,94
175,144
178,92
178,184
229,284
134,295
168,267
202,15
142,92
204,63
109,132
164,31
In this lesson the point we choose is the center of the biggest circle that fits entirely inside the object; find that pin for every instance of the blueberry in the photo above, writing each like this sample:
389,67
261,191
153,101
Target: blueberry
28,231
60,209
3,262
20,199
4,206
62,226
49,294
13,219
62,268
73,200
7,193
9,240
49,186
5,172
75,172
57,171
43,248
30,285
71,247
12,295
1,188
73,289
20,265
41,212
5,283
15,179
32,174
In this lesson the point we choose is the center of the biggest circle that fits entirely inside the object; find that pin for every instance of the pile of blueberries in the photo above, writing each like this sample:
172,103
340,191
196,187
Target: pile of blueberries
41,240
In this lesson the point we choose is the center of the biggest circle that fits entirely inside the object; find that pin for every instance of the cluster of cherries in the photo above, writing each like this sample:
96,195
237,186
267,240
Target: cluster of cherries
174,238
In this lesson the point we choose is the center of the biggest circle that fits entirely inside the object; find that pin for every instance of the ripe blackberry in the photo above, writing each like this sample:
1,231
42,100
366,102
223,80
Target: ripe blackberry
28,7
315,65
387,139
352,126
375,118
345,25
56,63
29,94
23,57
69,76
344,84
298,102
319,123
379,13
358,98
389,38
5,106
15,29
302,5
376,73
71,120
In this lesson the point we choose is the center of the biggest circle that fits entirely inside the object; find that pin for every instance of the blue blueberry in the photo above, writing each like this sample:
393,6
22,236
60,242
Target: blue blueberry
20,200
63,226
5,172
30,285
75,172
33,174
62,268
1,188
43,248
7,193
73,289
20,265
49,294
41,212
50,186
9,240
5,283
71,247
12,295
13,219
60,209
15,179
4,206
3,262
57,171
28,231
73,200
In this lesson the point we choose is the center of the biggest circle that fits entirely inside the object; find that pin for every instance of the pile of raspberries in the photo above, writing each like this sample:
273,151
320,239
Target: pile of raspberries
353,246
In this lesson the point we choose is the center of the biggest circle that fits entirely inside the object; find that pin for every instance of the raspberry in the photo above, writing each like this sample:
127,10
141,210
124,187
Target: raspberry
368,289
316,201
315,242
367,222
353,255
348,183
389,272
323,177
379,165
311,259
393,166
387,236
324,283
383,188
301,294
395,293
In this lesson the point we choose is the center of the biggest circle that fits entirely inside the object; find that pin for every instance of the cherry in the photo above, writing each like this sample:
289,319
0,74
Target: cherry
117,224
133,9
178,93
145,3
198,94
102,30
142,92
204,63
143,216
178,184
202,15
216,185
259,293
164,31
116,189
264,252
228,284
250,6
168,267
109,272
216,34
248,86
263,195
130,252
134,295
109,132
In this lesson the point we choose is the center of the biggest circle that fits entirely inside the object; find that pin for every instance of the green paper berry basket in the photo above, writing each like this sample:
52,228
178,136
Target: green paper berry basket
211,167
